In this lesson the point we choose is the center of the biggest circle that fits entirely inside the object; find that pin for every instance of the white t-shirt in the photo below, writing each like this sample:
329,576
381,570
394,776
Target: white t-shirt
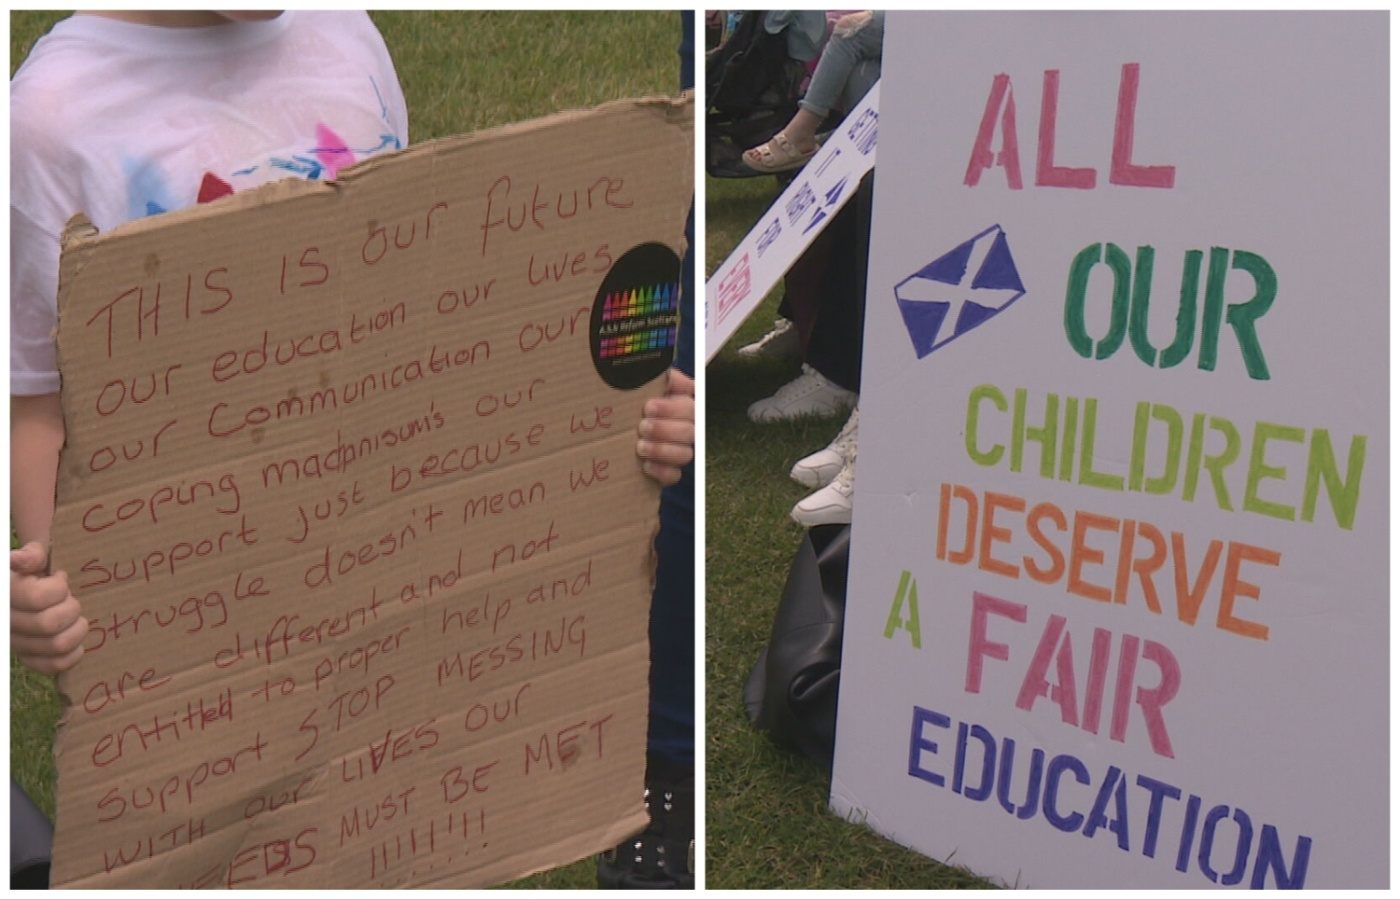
119,121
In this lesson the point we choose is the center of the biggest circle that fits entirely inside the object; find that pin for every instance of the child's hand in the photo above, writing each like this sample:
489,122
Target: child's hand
668,430
47,625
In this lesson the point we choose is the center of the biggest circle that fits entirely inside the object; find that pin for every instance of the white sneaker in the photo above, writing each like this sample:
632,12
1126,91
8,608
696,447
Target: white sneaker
783,341
818,469
832,504
809,394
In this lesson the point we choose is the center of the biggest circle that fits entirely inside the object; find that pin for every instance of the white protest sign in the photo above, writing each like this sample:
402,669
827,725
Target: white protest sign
1118,605
794,220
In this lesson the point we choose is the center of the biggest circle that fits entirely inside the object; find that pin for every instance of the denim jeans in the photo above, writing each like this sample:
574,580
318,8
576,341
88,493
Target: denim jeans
671,729
848,67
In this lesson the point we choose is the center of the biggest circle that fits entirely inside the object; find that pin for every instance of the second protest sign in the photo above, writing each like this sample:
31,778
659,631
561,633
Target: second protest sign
1118,605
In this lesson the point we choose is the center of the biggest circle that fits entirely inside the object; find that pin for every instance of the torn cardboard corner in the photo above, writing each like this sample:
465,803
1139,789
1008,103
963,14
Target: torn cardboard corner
351,500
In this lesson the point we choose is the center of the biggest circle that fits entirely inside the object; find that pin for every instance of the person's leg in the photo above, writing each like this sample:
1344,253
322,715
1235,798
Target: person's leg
661,857
845,54
835,353
671,732
863,78
31,841
801,129
834,348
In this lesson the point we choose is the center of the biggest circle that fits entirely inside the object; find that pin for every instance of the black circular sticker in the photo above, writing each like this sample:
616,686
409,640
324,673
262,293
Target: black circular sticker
635,317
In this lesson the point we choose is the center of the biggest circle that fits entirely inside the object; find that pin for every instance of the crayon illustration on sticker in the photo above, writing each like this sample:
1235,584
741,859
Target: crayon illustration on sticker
636,314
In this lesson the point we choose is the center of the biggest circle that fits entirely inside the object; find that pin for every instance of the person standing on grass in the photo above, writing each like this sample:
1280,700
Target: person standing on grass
121,115
662,856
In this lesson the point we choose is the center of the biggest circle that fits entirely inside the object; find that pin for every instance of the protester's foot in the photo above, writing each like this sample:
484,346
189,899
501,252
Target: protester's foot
780,154
832,504
818,469
783,341
662,857
809,394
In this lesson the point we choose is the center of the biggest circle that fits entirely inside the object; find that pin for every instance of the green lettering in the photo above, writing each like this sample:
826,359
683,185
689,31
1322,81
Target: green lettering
982,392
1087,475
908,589
1075,291
1185,311
1044,435
1172,418
1137,462
1193,457
1259,469
1067,448
1137,480
1215,308
1216,465
1242,316
1142,298
1322,468
1075,296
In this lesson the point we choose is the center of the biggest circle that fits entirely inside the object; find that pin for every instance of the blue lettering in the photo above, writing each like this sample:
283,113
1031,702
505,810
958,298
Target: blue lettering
1159,790
1052,790
1032,802
1235,875
1271,858
1114,786
1109,809
989,756
1188,832
918,743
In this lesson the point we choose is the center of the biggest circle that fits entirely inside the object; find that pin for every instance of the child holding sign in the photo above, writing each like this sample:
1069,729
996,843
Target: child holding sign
123,115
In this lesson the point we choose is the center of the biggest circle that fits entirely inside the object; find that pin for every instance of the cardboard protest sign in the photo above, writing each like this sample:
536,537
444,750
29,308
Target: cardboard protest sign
801,212
1118,606
351,499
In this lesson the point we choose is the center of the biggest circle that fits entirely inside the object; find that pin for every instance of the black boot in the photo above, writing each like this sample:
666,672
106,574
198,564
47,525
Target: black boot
662,857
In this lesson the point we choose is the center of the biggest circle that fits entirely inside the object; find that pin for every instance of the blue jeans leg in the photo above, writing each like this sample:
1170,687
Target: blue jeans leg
839,61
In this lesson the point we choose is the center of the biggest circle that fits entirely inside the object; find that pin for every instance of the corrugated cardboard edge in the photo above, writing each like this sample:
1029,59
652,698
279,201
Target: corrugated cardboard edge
76,246
676,111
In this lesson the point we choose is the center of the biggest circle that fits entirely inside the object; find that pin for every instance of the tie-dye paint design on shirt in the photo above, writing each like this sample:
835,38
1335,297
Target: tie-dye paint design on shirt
330,155
147,189
149,192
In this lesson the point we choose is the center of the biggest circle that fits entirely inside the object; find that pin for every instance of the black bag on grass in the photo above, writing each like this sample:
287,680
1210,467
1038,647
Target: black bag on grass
791,690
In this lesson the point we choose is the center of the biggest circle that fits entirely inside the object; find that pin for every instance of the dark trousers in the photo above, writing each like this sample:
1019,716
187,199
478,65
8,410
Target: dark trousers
671,729
824,292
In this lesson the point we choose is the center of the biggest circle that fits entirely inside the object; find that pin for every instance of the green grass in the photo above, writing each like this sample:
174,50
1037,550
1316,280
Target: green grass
460,71
463,71
767,825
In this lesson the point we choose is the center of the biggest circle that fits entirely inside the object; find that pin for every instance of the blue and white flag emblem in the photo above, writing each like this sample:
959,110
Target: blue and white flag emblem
959,291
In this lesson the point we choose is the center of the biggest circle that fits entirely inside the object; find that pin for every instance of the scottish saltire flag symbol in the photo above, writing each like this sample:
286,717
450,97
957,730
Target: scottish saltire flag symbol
959,291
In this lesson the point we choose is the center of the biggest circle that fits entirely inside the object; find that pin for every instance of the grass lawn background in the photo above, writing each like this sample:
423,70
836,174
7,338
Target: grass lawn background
460,72
767,825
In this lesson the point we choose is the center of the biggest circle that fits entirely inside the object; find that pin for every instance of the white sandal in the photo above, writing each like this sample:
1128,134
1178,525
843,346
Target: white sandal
778,155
